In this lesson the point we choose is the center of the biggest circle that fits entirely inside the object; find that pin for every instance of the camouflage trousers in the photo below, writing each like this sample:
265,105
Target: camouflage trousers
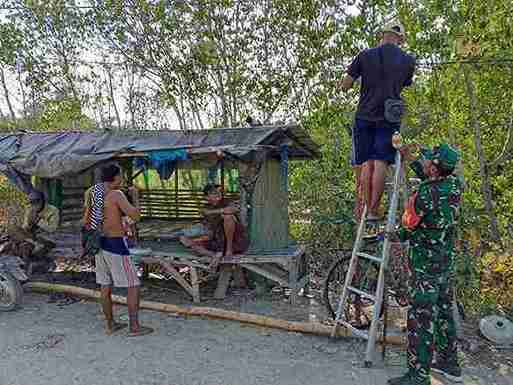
430,325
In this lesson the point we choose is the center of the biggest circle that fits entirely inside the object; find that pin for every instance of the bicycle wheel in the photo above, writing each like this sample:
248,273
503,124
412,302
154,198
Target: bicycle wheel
334,283
358,310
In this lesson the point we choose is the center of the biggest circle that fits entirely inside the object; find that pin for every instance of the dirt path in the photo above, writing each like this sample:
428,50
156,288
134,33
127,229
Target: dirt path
45,343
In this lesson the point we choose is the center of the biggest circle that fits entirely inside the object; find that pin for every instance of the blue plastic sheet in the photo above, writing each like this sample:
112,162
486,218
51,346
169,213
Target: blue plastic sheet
164,161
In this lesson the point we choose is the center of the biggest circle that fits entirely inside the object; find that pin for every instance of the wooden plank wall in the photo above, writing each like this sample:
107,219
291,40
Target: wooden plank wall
73,189
269,228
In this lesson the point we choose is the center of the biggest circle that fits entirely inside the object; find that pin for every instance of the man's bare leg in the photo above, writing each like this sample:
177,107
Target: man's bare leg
358,206
366,182
133,307
187,242
133,314
216,257
378,186
229,223
106,300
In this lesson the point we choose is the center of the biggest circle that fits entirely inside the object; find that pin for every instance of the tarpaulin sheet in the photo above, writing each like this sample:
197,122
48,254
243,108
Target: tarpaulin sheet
55,155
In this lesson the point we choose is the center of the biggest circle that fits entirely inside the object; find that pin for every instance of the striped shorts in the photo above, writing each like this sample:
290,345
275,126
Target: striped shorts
114,268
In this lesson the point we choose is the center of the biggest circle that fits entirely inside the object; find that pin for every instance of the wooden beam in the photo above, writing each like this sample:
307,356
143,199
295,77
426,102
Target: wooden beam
203,311
171,270
135,154
195,284
267,274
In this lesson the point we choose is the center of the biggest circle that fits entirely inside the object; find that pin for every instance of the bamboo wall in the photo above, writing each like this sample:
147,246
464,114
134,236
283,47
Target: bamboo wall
172,204
269,222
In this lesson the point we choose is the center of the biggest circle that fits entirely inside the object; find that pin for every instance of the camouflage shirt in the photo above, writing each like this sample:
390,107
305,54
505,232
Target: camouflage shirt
431,249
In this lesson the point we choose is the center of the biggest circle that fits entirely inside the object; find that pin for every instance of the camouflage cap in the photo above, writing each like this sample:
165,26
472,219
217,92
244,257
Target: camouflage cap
445,156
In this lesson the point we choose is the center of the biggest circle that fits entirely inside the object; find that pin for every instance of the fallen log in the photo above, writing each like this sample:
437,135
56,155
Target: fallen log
254,319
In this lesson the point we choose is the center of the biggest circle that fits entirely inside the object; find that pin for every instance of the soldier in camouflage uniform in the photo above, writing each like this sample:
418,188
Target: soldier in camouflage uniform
429,225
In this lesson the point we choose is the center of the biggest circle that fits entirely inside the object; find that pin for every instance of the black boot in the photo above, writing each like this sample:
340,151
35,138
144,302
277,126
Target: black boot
450,371
404,380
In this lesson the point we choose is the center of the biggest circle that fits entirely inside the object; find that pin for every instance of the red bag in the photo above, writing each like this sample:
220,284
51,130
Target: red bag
410,218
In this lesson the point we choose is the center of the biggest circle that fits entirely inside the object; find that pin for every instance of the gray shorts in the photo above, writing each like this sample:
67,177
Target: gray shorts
114,268
196,230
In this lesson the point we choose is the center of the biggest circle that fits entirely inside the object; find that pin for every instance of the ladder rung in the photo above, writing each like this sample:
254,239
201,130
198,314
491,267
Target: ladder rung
362,293
368,256
355,331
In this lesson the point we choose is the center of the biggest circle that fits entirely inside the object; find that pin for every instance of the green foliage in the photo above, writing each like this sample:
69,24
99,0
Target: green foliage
322,190
12,204
212,63
57,115
497,281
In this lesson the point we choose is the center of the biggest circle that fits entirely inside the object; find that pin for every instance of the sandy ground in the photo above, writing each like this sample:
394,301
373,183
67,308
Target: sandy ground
44,343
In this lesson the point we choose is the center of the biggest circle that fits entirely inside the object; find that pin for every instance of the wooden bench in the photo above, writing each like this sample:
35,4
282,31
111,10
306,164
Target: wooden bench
171,262
287,267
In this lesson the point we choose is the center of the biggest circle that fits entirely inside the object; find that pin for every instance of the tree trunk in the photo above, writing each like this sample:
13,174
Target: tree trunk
485,179
6,94
23,95
111,93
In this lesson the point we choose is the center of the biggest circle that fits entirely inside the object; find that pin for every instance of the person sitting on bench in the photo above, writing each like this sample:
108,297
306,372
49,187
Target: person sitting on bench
220,233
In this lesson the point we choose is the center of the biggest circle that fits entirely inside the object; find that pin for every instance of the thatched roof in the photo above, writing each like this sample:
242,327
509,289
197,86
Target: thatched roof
57,154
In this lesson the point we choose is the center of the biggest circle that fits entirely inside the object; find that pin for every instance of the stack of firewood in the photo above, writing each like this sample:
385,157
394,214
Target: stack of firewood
35,256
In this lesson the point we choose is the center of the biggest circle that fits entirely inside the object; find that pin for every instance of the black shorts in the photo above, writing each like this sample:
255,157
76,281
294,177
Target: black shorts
373,141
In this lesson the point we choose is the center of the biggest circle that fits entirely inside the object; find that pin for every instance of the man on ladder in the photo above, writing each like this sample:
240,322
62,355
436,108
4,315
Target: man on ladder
384,71
429,225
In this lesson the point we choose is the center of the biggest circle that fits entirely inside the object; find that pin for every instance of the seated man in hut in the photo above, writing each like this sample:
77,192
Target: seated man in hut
220,233
41,219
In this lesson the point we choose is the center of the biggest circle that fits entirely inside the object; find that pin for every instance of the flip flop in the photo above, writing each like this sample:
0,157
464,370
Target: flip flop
215,261
143,330
67,301
116,326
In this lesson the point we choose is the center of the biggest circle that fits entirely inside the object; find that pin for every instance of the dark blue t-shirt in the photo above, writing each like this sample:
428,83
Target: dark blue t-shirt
375,87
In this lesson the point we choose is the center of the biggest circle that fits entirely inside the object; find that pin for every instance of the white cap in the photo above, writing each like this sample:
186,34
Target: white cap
395,27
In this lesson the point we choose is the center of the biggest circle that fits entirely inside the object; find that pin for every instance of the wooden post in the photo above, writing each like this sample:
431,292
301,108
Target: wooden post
284,170
223,281
129,171
176,193
222,176
195,284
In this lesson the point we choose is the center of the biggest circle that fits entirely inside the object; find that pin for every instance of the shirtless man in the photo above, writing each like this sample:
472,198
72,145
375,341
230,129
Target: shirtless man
113,263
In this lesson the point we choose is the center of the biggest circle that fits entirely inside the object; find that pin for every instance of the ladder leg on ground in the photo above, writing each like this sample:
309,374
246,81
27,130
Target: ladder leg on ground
382,260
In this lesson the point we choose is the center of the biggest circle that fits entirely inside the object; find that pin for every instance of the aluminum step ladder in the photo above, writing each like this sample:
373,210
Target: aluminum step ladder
381,260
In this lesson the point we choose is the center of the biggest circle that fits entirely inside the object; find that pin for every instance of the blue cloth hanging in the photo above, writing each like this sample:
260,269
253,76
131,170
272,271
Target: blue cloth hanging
164,161
213,172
